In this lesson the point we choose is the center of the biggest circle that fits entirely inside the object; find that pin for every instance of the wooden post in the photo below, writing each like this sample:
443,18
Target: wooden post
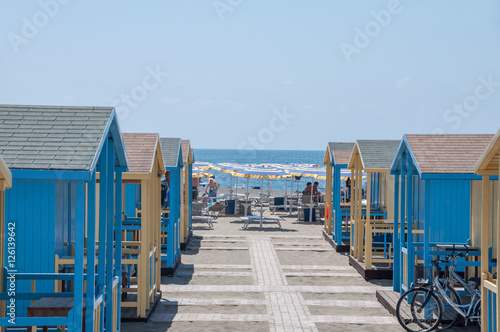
403,267
2,244
183,205
157,209
368,240
142,266
359,214
396,286
498,250
485,213
329,200
354,210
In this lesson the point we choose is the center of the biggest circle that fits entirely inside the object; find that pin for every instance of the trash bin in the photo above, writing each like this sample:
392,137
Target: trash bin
306,214
229,208
279,201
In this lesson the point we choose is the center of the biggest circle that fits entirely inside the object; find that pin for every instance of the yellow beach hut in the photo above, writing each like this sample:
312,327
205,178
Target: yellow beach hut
142,230
372,214
489,167
336,159
187,194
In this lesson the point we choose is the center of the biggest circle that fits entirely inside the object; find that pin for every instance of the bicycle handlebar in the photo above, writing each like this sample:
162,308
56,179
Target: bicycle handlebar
449,258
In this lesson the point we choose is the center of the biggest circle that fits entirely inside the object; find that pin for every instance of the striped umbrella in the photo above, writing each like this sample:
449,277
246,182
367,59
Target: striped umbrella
200,173
259,172
230,168
202,165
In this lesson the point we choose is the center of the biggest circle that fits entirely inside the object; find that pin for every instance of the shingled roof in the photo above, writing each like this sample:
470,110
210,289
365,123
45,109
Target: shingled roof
490,159
51,138
456,154
377,154
186,146
170,148
340,152
140,151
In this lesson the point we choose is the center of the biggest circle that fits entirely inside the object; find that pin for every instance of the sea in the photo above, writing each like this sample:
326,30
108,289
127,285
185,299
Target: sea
258,157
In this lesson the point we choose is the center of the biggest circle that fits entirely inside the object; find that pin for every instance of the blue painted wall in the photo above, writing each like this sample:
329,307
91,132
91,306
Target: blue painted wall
132,198
31,205
450,210
65,216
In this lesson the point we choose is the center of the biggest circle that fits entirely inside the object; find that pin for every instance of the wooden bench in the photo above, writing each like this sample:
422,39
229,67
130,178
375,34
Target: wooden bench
52,307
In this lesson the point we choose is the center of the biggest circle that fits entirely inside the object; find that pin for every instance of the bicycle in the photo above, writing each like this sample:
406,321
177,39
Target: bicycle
436,303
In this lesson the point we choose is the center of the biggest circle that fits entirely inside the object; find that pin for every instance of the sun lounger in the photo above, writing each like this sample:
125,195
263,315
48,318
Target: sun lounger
257,218
208,219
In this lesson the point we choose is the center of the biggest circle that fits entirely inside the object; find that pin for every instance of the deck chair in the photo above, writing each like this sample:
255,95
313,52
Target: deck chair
265,196
306,199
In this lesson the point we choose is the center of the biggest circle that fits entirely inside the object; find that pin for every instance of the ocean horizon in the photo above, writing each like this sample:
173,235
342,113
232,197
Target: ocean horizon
258,157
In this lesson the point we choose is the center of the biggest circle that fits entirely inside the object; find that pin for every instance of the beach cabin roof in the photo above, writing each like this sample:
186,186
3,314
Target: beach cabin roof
57,138
489,162
442,156
172,153
5,175
375,155
338,153
141,152
187,152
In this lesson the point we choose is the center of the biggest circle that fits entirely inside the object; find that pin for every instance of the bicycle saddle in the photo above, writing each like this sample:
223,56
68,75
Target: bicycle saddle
477,281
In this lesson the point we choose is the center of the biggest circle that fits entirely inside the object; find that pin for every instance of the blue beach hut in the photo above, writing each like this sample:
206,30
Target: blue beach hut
434,177
187,194
142,224
54,154
372,213
336,158
171,238
488,167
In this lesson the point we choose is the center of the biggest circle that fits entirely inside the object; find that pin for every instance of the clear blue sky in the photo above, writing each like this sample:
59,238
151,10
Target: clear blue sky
342,71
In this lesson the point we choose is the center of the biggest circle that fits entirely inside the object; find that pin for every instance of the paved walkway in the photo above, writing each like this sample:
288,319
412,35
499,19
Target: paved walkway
272,279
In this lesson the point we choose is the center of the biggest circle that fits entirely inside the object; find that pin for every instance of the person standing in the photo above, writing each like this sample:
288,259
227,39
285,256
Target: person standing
212,187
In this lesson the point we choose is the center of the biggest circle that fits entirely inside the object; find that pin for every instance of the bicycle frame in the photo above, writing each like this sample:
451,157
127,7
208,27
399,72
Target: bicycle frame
471,307
465,310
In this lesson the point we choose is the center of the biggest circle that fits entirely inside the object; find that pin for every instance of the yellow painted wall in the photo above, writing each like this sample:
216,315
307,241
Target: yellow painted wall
476,203
387,194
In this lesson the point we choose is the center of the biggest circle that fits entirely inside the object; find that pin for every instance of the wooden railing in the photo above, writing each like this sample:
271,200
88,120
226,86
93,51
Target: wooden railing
132,252
379,246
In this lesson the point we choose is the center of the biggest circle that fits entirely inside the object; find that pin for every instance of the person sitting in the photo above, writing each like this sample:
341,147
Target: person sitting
315,192
194,189
308,189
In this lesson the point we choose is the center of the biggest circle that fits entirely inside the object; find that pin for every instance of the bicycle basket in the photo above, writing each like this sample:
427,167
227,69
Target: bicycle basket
422,274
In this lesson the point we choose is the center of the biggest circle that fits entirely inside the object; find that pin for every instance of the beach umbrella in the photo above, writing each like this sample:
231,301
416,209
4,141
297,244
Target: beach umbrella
259,172
229,168
199,173
202,165
304,171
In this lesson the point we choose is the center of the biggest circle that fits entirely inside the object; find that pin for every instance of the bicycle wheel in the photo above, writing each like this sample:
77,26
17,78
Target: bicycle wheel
419,309
449,315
